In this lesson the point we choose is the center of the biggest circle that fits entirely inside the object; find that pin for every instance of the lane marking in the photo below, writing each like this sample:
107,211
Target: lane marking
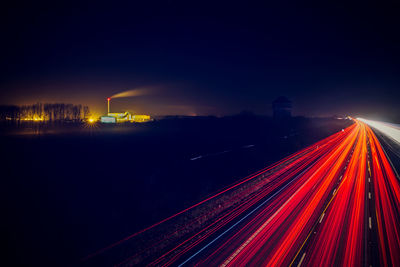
322,216
301,260
369,195
370,223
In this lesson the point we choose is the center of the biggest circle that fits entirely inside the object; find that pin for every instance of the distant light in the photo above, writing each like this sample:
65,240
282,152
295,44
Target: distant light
91,120
34,118
389,129
108,99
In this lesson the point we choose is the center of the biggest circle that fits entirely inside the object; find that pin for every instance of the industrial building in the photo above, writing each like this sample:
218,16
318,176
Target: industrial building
112,117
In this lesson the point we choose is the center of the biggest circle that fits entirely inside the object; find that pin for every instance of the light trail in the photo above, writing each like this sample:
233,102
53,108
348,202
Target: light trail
278,168
387,205
389,129
324,204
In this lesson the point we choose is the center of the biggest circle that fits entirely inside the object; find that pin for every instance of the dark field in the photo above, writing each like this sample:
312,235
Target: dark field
68,191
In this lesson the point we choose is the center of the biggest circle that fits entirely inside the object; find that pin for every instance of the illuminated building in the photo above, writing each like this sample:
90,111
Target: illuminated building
141,118
122,117
107,119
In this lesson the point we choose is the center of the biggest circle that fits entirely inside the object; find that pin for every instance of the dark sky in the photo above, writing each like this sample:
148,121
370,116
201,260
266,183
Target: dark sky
204,58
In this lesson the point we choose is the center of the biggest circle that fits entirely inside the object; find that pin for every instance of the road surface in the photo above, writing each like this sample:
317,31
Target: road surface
335,203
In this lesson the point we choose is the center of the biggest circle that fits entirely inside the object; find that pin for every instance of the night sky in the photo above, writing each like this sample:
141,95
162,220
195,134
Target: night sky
198,58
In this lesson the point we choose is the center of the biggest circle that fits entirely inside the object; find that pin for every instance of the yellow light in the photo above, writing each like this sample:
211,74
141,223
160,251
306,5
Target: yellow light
91,120
35,118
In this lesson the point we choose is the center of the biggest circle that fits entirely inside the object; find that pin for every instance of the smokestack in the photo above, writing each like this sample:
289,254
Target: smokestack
108,106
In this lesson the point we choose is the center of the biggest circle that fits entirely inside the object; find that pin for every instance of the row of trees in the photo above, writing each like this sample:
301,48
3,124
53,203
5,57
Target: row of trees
58,112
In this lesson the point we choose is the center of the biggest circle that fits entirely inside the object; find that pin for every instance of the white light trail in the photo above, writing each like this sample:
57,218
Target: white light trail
389,129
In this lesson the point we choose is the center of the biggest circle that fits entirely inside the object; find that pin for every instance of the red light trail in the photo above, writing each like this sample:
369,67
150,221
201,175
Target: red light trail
335,202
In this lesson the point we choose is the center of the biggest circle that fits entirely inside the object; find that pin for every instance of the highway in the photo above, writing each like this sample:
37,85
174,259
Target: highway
388,135
334,203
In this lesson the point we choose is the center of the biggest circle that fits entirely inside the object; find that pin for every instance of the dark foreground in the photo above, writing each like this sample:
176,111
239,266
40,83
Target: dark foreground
66,194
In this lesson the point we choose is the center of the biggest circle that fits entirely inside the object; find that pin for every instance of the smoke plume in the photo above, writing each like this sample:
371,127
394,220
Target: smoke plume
131,93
